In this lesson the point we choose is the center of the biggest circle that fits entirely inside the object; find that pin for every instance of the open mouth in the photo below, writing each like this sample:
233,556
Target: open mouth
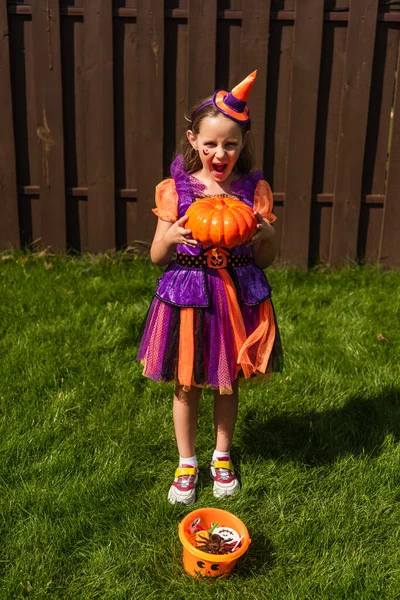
219,167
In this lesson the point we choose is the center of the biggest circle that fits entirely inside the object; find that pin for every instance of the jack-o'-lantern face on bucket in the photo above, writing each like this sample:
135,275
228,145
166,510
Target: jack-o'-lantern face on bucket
208,569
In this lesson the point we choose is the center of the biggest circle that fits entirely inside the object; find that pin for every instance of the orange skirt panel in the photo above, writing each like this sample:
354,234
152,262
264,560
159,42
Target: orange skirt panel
186,348
253,352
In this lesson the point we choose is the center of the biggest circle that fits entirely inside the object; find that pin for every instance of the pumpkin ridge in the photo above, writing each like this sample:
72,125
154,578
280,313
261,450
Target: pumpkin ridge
231,226
239,215
246,222
217,226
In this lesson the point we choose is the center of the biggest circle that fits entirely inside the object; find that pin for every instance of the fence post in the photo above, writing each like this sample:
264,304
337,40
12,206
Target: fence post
302,122
9,228
202,44
99,109
150,109
389,248
254,55
49,117
352,131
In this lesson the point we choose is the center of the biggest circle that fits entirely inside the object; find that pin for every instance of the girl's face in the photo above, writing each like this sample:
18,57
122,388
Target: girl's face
219,143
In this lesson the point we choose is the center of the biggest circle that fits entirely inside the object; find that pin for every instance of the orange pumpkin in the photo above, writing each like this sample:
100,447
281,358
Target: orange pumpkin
219,221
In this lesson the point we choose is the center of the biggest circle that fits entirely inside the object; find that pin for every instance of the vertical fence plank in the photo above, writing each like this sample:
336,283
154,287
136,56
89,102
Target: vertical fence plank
352,131
254,55
27,149
9,226
381,103
377,140
202,40
303,117
150,109
72,54
125,124
181,80
327,130
49,115
99,108
389,251
277,108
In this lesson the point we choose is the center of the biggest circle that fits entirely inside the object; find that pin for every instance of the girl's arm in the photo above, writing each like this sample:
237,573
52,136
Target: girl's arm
263,243
166,238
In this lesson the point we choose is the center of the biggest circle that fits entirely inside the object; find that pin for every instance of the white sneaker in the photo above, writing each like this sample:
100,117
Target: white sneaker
225,480
183,489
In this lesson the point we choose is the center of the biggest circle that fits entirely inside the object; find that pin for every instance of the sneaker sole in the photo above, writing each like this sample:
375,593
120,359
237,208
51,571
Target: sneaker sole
176,497
222,491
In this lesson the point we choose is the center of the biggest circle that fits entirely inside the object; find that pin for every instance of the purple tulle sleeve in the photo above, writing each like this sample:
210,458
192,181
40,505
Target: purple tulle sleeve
188,187
245,186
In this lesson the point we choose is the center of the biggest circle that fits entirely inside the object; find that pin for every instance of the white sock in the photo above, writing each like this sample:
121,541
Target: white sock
217,455
192,461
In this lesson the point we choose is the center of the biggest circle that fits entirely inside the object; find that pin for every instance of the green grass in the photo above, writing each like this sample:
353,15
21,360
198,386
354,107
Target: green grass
87,448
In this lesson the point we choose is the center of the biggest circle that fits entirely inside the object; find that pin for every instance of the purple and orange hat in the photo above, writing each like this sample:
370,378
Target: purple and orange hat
232,104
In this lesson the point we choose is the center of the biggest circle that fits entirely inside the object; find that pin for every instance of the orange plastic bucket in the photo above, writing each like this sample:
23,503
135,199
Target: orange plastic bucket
201,564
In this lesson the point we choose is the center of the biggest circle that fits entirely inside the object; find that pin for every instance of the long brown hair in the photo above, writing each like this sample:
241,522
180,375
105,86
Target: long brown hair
245,162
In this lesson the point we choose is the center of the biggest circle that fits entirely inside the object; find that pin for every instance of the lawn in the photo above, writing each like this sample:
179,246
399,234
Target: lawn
88,452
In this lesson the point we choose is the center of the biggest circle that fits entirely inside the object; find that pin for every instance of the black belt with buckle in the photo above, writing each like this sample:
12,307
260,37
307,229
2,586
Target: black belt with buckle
214,258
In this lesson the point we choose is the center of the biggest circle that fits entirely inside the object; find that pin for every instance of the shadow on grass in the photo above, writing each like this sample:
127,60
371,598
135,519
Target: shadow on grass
260,556
315,438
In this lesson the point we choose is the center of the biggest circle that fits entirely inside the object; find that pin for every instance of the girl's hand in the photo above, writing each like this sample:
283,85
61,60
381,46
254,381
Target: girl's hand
177,234
264,232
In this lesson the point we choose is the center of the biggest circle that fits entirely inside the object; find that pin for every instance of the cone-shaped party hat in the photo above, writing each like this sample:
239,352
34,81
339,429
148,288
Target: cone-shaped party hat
233,104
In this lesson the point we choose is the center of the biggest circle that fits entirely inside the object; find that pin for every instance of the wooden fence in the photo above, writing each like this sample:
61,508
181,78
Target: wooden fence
92,97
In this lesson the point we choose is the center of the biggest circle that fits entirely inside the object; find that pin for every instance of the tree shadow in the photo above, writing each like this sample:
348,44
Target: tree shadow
315,438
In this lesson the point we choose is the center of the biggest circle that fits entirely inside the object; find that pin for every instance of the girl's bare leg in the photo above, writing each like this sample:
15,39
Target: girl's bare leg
225,415
185,412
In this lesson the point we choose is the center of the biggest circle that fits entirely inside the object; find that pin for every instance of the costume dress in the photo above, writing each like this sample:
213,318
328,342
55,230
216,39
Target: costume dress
207,325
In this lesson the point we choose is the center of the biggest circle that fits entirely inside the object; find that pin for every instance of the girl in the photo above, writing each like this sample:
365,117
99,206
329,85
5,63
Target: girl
208,326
